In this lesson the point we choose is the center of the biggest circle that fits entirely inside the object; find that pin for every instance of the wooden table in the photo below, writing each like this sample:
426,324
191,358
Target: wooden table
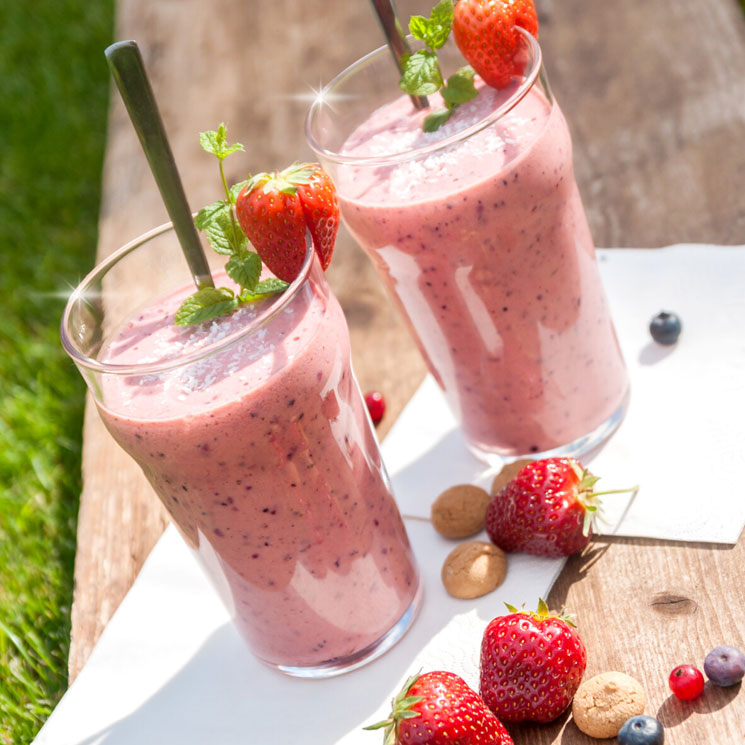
655,97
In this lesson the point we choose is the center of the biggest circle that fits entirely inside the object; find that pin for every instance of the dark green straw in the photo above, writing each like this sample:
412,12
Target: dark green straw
394,35
128,69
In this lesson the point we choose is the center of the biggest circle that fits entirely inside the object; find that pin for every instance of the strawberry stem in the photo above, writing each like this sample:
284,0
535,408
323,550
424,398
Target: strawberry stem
615,491
589,498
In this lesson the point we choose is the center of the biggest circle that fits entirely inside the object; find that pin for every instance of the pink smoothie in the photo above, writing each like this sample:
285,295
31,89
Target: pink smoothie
265,458
485,247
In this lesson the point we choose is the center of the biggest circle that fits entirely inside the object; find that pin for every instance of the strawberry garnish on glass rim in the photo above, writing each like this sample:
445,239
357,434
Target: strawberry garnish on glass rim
306,201
485,33
274,210
439,708
487,36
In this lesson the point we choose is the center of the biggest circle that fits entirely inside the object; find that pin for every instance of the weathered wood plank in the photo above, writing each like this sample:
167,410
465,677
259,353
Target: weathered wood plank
655,98
654,95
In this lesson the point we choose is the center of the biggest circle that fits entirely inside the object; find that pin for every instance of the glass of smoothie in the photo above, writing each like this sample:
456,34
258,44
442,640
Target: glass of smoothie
479,234
252,430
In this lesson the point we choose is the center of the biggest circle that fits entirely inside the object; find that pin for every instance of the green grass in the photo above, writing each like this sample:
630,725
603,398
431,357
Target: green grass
54,93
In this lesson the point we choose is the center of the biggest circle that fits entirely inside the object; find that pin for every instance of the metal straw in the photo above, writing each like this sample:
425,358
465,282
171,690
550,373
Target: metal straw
396,39
128,69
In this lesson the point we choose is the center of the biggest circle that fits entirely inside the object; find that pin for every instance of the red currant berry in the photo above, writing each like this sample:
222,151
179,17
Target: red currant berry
375,405
686,682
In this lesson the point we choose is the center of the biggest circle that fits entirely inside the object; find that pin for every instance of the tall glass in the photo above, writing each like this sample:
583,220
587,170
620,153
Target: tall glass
253,432
479,234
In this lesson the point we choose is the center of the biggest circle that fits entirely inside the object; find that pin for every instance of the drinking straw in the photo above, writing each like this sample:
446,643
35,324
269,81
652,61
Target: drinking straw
128,70
396,39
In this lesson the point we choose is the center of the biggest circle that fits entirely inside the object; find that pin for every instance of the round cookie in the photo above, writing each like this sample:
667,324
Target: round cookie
460,511
508,473
602,704
473,569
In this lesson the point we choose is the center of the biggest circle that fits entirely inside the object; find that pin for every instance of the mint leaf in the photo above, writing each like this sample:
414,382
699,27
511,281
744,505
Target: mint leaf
207,215
460,87
215,142
224,235
245,269
230,149
441,20
208,141
262,289
435,30
419,26
219,237
421,76
269,286
236,189
434,121
204,305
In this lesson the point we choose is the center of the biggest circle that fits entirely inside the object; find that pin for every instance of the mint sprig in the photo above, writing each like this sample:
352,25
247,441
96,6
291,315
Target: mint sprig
206,304
225,236
244,269
435,30
421,76
264,288
421,70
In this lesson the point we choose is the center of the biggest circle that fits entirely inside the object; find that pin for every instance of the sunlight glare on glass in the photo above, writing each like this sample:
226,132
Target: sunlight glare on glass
63,293
318,96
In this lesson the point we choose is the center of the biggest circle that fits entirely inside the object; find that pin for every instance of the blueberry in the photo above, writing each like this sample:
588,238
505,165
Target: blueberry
725,665
665,327
641,730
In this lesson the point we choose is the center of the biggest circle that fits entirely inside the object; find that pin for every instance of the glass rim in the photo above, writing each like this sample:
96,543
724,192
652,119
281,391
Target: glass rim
375,160
94,365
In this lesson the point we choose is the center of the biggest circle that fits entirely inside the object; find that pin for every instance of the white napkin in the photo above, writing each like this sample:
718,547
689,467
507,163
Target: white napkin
683,438
170,669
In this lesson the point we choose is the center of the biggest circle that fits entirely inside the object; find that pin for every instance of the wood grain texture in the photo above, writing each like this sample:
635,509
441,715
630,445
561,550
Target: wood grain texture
655,98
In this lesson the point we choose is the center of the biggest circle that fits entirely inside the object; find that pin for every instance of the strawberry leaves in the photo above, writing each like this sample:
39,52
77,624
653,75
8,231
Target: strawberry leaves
217,221
421,70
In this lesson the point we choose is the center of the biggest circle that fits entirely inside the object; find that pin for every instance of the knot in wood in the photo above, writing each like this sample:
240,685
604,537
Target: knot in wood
673,604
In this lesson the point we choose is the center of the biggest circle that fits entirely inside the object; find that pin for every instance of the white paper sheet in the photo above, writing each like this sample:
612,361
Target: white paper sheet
171,670
683,438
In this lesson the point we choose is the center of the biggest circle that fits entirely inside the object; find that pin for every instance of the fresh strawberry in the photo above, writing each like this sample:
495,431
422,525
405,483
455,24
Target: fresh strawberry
274,210
321,210
484,31
438,708
548,509
531,665
270,214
